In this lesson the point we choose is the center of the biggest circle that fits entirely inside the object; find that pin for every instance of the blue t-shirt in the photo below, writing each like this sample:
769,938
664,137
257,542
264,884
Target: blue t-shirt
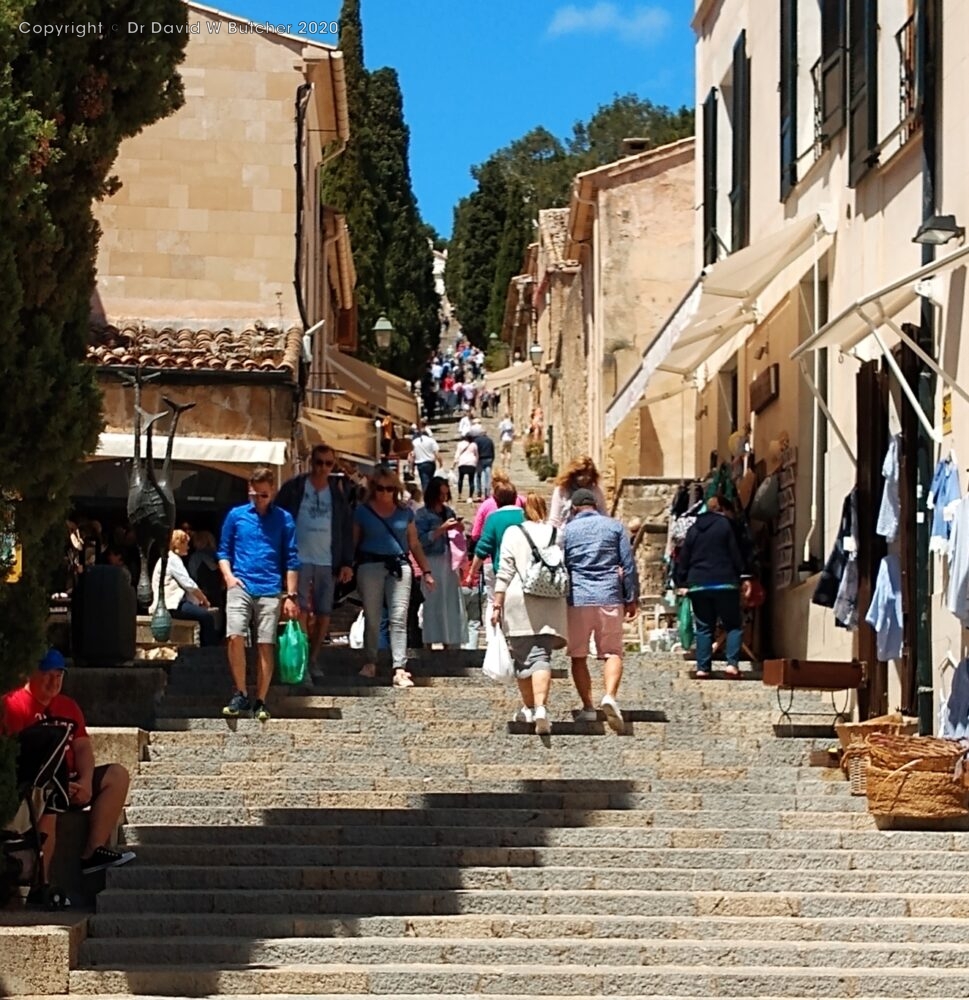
379,538
314,526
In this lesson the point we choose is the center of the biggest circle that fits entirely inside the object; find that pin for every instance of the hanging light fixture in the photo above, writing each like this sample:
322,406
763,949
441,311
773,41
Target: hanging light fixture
383,330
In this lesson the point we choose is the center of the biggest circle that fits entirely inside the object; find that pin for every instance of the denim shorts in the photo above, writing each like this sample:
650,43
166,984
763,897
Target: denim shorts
241,609
316,587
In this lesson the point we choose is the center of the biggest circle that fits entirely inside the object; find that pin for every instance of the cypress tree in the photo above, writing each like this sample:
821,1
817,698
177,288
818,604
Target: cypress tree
515,237
66,103
409,298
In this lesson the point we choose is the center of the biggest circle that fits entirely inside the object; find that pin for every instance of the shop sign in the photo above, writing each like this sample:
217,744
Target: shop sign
947,412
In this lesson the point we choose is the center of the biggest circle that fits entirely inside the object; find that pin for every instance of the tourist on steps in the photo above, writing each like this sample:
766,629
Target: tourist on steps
441,534
580,474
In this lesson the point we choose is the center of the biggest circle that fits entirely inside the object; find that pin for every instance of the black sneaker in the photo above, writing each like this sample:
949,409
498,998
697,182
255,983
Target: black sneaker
238,704
48,897
105,857
260,712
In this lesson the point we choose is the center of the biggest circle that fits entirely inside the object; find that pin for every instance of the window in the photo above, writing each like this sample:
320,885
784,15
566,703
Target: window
862,88
710,239
832,116
740,189
788,92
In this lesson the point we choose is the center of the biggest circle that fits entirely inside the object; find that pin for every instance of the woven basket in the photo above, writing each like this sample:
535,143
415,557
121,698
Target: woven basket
913,776
895,724
854,761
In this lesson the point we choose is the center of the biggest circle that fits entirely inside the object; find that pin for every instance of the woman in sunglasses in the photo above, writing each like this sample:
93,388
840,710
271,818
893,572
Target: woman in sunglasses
384,535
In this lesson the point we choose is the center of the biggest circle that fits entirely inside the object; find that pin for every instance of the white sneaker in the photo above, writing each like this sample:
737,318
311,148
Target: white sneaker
586,715
542,725
612,713
524,714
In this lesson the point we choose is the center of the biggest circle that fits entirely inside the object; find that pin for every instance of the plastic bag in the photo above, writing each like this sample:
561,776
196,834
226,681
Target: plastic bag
294,654
685,623
497,660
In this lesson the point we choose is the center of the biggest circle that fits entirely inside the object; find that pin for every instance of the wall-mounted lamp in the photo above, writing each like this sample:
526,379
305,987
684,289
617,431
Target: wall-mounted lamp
383,330
535,354
939,229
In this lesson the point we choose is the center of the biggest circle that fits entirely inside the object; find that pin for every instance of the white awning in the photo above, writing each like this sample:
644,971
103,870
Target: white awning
509,375
727,297
852,326
373,387
350,435
227,451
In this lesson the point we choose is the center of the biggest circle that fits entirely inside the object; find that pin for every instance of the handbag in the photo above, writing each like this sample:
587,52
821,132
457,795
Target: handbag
547,575
766,503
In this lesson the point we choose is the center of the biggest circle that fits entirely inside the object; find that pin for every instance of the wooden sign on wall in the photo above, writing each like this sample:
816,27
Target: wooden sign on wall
765,388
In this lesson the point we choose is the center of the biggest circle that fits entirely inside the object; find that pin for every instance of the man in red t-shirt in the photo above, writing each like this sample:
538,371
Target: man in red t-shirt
104,788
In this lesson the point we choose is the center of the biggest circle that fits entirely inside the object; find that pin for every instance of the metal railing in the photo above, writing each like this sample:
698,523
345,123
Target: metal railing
908,110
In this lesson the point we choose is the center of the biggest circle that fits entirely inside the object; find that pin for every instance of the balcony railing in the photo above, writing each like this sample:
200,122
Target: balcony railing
819,137
908,97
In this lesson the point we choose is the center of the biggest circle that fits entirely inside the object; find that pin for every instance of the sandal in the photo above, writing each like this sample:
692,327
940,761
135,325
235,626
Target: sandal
732,672
402,679
368,670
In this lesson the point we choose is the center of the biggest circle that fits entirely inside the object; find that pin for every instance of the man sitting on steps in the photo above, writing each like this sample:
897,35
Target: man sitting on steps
102,787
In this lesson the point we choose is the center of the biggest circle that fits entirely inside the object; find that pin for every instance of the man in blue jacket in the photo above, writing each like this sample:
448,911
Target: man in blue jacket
259,562
319,503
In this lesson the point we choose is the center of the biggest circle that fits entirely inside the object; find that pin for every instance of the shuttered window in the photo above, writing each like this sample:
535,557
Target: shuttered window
710,177
833,39
740,181
862,88
788,92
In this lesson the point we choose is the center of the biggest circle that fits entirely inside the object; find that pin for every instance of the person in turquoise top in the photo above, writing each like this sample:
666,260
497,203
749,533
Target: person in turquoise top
507,514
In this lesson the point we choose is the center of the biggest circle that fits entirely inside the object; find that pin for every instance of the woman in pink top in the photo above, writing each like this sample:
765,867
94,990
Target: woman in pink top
488,506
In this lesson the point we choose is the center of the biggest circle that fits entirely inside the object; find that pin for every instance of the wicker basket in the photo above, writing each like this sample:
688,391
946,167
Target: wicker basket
914,776
895,724
854,761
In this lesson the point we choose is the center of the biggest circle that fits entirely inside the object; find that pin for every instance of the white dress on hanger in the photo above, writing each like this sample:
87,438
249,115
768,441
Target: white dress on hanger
891,505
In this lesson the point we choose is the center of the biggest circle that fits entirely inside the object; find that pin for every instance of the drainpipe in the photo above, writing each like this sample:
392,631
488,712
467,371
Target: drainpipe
816,435
595,392
928,36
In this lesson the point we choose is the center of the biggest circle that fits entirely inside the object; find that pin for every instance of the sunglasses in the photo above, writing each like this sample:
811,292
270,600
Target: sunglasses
260,496
385,489
317,463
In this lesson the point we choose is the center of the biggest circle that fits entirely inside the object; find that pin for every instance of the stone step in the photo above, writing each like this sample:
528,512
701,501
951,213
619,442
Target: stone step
888,931
332,832
232,879
428,815
407,950
265,794
566,980
735,859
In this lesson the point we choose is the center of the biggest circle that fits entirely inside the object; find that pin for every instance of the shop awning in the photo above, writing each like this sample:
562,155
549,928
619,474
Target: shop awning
866,317
211,450
727,297
348,435
373,387
509,376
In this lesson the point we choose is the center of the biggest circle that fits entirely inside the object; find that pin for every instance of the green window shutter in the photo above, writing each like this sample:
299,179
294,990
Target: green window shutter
788,93
740,189
862,88
710,177
833,59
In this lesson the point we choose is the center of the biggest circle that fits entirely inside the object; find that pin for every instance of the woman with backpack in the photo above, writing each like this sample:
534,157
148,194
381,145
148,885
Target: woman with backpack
530,563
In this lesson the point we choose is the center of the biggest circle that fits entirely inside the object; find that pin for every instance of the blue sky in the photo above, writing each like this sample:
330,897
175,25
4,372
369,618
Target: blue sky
476,76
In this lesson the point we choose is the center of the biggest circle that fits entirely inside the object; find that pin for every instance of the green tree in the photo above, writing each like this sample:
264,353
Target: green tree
515,237
66,103
407,282
348,181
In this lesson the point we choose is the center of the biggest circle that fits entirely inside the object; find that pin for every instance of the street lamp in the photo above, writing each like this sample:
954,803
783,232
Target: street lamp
939,229
383,330
535,354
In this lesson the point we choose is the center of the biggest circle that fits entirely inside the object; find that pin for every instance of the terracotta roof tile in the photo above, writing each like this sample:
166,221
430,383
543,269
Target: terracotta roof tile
253,348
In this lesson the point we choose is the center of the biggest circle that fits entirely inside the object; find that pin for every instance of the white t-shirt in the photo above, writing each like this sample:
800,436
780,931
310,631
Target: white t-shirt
425,448
314,526
506,430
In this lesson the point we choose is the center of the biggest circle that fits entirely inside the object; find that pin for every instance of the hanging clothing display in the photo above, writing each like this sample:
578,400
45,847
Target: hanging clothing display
846,603
957,596
954,717
890,510
828,590
885,613
943,496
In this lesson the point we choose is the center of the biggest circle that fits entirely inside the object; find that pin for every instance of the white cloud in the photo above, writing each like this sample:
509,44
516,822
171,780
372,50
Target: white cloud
642,25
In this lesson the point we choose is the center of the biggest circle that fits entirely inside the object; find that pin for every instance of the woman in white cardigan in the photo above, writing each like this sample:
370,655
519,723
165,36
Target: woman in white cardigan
534,625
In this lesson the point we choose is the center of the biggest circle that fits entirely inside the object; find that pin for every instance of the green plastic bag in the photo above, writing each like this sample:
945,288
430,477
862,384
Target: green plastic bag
685,623
294,654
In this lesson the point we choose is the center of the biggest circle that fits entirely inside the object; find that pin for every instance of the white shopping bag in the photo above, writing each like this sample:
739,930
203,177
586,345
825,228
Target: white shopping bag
356,632
497,660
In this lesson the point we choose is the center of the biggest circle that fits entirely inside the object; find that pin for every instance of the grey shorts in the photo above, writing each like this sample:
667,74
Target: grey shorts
241,609
316,586
532,654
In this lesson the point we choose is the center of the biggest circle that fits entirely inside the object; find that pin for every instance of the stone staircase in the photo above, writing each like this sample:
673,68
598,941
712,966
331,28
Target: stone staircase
369,841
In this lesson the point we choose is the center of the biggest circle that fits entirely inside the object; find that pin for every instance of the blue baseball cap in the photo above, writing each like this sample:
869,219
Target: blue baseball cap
53,660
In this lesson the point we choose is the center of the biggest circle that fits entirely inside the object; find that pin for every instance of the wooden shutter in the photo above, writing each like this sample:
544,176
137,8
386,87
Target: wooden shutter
833,38
788,92
710,177
740,190
862,88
